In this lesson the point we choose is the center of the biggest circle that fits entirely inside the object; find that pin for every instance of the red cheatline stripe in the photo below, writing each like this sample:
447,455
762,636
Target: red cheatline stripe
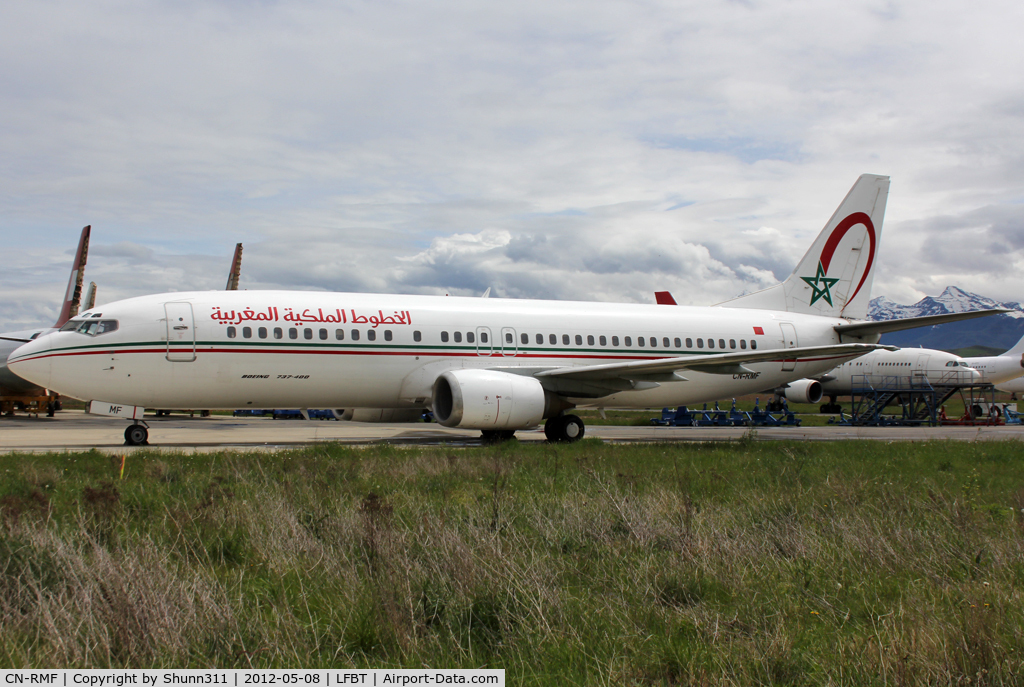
496,356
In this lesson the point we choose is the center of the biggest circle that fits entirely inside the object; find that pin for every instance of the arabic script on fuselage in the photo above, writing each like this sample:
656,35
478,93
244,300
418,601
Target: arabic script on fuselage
310,316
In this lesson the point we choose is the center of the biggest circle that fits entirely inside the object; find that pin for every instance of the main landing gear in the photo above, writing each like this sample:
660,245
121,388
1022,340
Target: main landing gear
564,429
136,434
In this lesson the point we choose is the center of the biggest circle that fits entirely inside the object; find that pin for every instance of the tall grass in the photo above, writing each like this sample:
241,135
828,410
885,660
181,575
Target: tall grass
744,563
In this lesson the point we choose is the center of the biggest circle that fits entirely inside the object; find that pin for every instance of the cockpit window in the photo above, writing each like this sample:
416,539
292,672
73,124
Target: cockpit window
90,327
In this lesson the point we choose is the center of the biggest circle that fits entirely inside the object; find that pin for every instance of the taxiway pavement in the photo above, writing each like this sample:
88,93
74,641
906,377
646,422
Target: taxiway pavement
76,431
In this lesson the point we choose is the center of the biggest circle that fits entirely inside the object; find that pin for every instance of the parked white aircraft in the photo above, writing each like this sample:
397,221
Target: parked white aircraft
880,368
14,389
1014,386
999,369
497,365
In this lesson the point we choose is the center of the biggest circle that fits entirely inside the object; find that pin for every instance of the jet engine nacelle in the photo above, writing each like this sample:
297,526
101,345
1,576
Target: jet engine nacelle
488,399
803,391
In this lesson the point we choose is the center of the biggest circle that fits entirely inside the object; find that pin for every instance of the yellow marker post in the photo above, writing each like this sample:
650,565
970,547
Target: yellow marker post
123,456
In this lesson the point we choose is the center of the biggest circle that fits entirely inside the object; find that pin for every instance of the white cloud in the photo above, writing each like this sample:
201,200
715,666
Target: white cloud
546,149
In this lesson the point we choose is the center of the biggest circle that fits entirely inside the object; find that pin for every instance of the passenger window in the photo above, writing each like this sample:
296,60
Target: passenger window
743,344
601,340
654,342
508,338
470,337
700,343
732,343
355,335
293,333
615,341
371,334
640,341
552,339
666,343
278,333
590,339
246,332
753,344
323,334
711,343
525,338
627,340
262,331
339,334
387,335
458,337
579,340
231,332
444,337
689,343
483,337
307,333
721,343
540,338
416,336
565,339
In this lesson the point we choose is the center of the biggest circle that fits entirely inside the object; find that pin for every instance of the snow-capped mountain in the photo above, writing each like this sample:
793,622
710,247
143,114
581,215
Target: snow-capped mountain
953,299
995,332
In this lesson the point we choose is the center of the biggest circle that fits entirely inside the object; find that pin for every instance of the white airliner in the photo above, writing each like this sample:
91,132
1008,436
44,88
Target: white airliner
1000,369
497,365
884,368
13,387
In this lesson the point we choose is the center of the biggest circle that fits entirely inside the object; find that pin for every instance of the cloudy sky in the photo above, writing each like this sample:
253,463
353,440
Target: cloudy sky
595,151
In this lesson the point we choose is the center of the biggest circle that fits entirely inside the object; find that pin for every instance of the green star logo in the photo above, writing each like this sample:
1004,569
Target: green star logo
821,285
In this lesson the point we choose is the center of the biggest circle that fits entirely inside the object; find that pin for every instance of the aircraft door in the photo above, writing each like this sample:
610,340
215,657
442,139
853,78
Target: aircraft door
789,340
921,368
181,332
509,345
484,346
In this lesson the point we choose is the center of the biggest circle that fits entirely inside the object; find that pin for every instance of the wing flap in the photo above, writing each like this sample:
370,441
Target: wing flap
717,363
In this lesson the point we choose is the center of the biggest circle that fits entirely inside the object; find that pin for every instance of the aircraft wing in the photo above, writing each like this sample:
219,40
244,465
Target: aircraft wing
883,326
665,369
14,338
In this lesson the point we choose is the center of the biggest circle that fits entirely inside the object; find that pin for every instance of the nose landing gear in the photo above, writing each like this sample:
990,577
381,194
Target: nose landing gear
136,434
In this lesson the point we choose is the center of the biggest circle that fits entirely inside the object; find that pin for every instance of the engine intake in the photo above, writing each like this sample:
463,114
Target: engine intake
803,391
488,399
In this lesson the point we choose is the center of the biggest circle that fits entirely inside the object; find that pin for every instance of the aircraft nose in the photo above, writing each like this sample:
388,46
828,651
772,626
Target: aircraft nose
31,362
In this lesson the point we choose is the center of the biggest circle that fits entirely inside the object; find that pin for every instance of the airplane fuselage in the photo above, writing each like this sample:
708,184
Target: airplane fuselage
243,349
896,368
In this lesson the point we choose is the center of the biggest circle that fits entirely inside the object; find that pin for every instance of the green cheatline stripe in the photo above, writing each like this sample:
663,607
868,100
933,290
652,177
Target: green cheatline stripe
423,348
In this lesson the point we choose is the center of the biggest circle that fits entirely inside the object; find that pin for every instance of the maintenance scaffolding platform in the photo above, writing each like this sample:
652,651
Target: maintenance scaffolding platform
919,400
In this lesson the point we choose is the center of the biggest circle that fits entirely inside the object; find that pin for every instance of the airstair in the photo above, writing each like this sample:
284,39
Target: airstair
914,399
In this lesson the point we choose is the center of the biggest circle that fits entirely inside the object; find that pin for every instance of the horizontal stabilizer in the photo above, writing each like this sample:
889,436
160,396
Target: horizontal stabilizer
862,329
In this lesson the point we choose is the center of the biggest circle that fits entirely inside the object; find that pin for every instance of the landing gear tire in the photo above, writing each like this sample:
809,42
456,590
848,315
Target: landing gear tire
564,429
497,436
51,409
136,435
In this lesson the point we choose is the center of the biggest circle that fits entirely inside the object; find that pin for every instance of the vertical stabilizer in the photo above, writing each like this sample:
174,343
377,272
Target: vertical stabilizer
73,295
236,269
89,302
1018,348
834,277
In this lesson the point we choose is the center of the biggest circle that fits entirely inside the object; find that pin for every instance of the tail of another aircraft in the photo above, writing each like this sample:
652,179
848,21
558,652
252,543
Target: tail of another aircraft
236,269
1018,348
73,296
834,277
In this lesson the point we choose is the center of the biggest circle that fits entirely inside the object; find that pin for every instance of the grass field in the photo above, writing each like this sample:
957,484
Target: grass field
590,564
